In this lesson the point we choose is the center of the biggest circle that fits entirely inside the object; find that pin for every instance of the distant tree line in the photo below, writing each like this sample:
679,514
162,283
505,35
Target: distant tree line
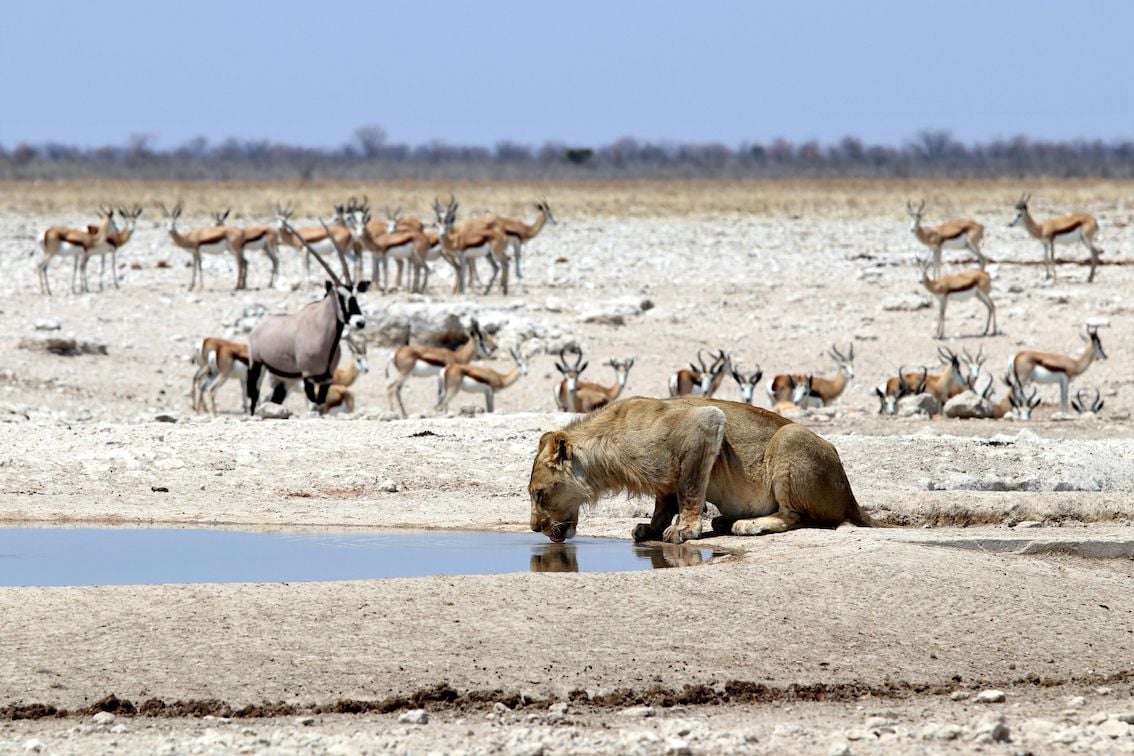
370,156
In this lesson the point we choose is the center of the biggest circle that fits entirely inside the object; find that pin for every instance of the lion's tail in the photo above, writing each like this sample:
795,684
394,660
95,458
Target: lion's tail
857,517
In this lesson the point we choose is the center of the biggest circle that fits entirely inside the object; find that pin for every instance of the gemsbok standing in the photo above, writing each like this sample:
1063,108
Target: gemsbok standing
211,240
60,241
422,361
1045,367
958,234
960,286
477,379
1066,229
306,344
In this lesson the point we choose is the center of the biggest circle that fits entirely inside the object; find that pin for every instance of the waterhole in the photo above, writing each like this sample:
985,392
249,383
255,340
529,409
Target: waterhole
132,556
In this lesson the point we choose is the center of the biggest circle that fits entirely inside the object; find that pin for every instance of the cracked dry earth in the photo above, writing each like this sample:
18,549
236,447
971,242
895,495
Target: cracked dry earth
1000,617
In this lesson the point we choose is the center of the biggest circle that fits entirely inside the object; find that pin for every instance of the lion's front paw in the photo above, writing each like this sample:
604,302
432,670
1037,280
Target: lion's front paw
722,525
680,534
643,532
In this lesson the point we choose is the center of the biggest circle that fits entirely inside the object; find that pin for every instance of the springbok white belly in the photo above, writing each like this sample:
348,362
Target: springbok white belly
422,369
1040,374
402,252
67,249
1070,237
473,386
959,242
258,244
216,248
475,252
963,295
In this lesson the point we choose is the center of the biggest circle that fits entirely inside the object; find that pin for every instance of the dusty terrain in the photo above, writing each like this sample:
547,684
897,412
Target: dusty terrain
1013,571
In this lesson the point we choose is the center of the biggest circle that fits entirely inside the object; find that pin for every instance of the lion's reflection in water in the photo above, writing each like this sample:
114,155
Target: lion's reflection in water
564,557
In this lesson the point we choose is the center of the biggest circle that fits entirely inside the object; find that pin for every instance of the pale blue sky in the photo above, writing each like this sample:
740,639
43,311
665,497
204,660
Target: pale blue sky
583,72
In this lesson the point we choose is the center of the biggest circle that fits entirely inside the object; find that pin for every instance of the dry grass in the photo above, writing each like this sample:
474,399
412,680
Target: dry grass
830,197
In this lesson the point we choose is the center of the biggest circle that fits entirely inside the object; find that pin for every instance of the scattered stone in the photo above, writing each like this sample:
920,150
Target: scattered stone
948,732
919,404
47,324
615,313
879,723
559,708
839,749
103,718
1058,296
968,405
35,744
1029,524
65,346
992,728
1127,717
273,411
119,728
415,717
1114,729
304,721
501,708
389,486
167,417
1077,701
960,695
678,747
990,696
639,711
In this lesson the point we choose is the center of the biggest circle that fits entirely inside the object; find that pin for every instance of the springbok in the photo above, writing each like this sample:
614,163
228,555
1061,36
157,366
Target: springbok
747,385
958,286
218,360
974,363
59,241
959,234
342,377
1080,227
1083,403
823,391
903,384
800,391
703,381
323,238
306,344
519,232
572,395
114,241
1044,367
476,379
951,381
212,240
263,237
412,360
466,244
385,241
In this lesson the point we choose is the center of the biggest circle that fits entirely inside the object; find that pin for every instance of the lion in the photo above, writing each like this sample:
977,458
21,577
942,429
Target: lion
764,473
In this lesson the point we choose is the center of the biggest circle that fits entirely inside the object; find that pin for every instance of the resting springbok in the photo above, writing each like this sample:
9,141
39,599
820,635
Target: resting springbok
824,391
1083,403
703,381
958,286
902,384
263,237
306,344
111,245
799,393
959,234
747,385
74,243
572,395
217,360
1065,229
212,240
465,244
324,239
413,360
519,232
974,363
1044,367
951,381
476,379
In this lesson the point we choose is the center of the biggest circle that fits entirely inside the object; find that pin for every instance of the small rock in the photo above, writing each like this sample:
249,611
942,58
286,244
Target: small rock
992,727
1077,701
1114,729
414,717
559,708
968,405
948,732
273,411
906,303
389,486
35,744
990,696
1029,524
501,708
118,729
1104,691
839,749
167,417
304,721
639,711
48,324
103,718
919,404
878,723
678,747
1127,717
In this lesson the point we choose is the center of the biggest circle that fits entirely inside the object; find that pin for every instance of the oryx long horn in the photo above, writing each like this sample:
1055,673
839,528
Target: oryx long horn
342,255
291,230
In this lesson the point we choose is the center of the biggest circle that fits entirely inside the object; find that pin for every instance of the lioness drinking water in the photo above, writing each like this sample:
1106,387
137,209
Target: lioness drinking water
764,473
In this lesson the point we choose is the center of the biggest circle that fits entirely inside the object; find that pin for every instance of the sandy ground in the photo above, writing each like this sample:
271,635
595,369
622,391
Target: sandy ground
1013,573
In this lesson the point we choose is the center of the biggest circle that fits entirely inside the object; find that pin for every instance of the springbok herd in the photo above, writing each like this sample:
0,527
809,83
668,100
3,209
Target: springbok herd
306,345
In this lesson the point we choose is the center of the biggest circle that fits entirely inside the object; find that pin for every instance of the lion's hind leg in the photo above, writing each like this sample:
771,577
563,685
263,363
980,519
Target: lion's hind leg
665,507
780,522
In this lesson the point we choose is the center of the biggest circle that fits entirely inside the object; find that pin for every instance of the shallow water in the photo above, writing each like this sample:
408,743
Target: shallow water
132,556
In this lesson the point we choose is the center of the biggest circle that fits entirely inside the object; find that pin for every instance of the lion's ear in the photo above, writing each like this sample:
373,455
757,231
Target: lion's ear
556,448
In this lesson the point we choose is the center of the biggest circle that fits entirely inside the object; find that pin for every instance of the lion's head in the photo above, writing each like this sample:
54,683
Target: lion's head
557,491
